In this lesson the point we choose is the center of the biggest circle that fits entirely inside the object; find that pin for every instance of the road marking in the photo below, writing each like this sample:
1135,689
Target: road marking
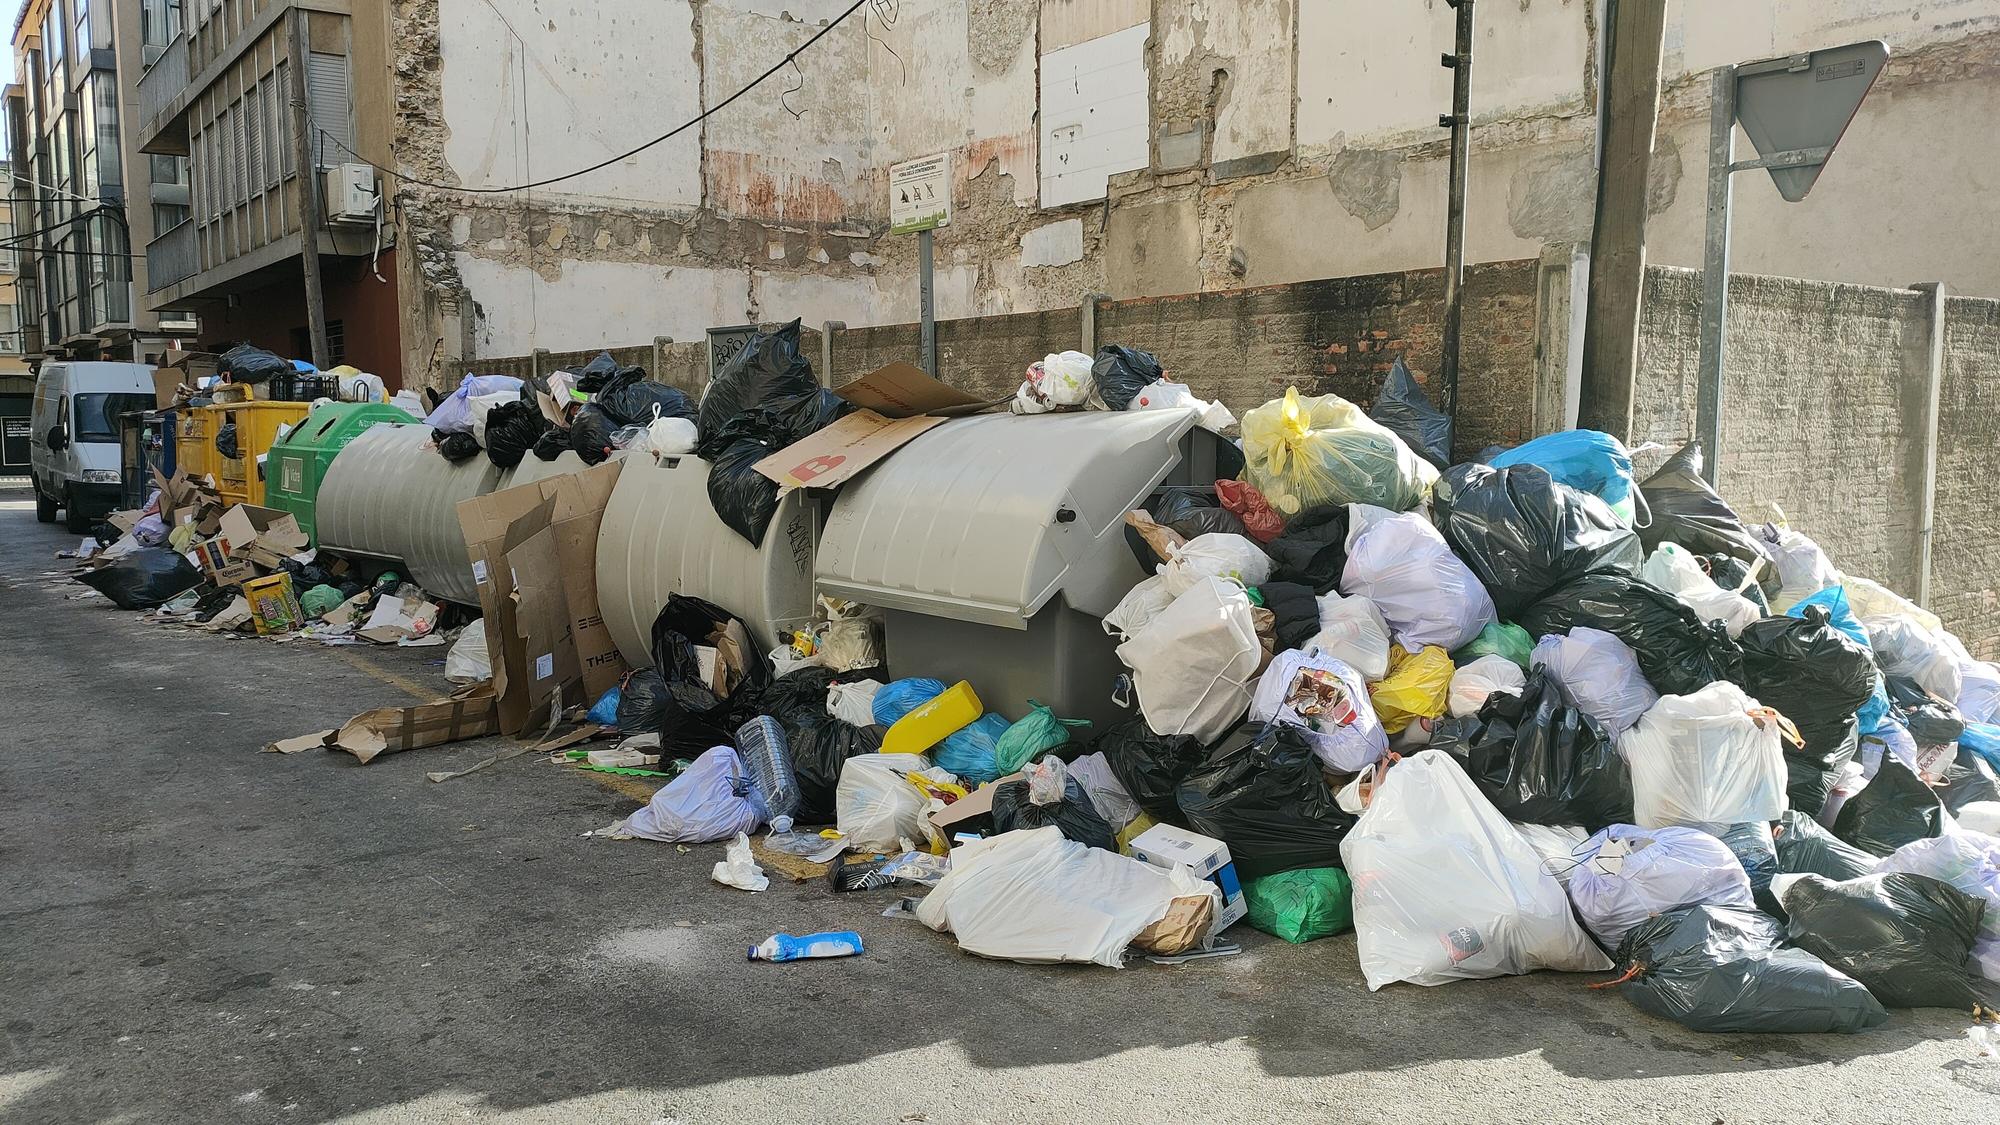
415,689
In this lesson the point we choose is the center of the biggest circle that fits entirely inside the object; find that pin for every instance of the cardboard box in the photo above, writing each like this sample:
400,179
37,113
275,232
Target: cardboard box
970,807
221,567
273,607
580,501
468,713
897,402
1205,857
265,536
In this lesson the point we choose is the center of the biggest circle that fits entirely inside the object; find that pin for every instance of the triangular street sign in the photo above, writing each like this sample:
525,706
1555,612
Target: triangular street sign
1805,102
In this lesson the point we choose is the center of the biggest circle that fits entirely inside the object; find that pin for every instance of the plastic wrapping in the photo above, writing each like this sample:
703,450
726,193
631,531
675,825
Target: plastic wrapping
1121,372
1979,691
1150,766
1312,549
1895,809
1261,522
768,367
1687,511
1445,889
1525,535
1328,702
760,743
1626,874
1906,937
1679,652
1674,570
1302,905
1416,687
1598,675
1352,631
1725,969
1261,792
143,579
1586,460
1406,411
1711,757
1107,793
453,415
1541,761
1472,683
1302,453
1425,593
1193,663
1803,569
1905,648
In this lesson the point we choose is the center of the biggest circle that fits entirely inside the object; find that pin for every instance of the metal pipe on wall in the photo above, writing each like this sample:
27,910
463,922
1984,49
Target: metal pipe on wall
1459,121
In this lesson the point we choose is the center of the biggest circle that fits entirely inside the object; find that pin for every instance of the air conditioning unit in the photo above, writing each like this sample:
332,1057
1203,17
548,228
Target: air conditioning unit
350,193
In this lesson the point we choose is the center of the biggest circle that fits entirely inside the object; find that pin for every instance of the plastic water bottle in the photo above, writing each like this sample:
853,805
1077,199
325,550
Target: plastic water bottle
785,947
761,742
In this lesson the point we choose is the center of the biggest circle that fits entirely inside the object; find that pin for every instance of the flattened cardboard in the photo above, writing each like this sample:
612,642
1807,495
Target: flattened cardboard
466,713
832,456
902,390
275,532
521,602
580,501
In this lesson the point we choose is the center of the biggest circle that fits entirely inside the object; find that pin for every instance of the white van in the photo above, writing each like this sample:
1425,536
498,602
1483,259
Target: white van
73,437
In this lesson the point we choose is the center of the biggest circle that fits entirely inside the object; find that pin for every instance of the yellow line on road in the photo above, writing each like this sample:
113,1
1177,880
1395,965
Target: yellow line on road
415,689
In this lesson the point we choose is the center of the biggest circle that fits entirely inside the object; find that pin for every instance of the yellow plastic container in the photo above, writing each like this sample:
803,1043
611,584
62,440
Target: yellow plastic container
257,423
934,722
273,608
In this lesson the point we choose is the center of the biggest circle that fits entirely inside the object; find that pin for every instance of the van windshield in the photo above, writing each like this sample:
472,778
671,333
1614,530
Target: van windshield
97,415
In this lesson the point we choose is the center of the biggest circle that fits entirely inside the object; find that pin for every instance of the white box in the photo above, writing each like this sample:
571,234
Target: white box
1205,857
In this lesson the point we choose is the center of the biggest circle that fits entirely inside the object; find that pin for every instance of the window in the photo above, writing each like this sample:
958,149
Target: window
10,335
97,414
279,138
281,76
159,22
81,42
330,111
253,146
336,342
104,92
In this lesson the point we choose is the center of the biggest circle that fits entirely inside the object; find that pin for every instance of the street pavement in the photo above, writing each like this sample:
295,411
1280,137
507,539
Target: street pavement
194,931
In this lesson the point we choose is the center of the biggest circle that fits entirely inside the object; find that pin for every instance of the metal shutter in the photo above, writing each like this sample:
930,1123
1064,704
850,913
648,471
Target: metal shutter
327,101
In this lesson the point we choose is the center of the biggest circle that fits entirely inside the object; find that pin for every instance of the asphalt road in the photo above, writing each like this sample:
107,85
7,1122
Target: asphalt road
194,931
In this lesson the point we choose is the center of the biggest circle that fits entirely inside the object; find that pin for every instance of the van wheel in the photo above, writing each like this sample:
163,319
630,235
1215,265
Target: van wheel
45,506
73,517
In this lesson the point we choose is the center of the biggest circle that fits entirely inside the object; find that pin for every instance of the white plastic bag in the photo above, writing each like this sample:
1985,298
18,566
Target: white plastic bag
1193,663
1351,630
1445,889
712,800
1868,598
1328,701
1598,675
1399,561
668,436
1137,608
1166,394
1979,691
1712,758
1473,681
876,809
739,869
853,702
1218,554
1554,843
480,405
1107,794
1803,569
1032,895
1673,569
1625,875
1063,379
1904,647
454,414
850,635
466,662
362,387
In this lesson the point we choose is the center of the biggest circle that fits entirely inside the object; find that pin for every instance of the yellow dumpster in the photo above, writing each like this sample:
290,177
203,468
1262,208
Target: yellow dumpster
237,479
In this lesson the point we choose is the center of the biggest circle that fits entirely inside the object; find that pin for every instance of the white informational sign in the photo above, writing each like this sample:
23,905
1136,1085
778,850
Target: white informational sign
920,194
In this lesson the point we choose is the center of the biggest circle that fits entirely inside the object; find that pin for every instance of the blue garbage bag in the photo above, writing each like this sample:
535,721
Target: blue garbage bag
604,712
1983,739
1589,460
972,752
898,699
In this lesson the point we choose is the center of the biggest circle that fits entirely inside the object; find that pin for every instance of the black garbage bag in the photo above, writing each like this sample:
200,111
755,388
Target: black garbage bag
1968,780
1078,819
698,717
590,430
1688,512
1906,937
552,443
629,397
1296,609
512,429
1406,411
1805,847
147,577
1193,510
1312,550
307,575
225,442
247,363
1895,809
1260,790
1932,723
767,369
742,497
1818,677
1121,372
1734,574
1541,761
819,743
455,447
1150,766
592,376
642,702
1723,968
1678,651
1525,534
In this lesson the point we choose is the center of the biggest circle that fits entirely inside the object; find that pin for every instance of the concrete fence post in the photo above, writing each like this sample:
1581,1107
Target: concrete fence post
1087,318
827,331
1562,285
538,362
660,345
1927,474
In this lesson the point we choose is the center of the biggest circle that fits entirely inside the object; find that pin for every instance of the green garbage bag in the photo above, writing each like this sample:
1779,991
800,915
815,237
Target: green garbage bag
1498,638
320,600
1302,904
1038,731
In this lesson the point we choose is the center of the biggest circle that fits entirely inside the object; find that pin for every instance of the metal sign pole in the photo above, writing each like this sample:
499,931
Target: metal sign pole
1715,270
927,336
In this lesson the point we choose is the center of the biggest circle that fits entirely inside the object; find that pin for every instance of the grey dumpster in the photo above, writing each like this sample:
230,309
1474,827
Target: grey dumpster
388,495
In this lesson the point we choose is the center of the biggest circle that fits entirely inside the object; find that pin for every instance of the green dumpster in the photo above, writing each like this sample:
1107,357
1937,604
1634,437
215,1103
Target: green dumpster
298,463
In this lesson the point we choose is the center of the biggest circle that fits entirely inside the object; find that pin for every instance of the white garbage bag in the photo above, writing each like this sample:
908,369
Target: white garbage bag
1107,794
1137,608
1329,702
466,661
1059,380
478,406
1673,569
1351,630
1445,889
712,800
1598,675
853,702
1218,554
1979,691
1193,664
454,414
1714,757
667,436
1903,647
1032,895
1625,875
877,810
1165,394
1970,861
1803,569
1554,843
1472,682
1868,598
1399,561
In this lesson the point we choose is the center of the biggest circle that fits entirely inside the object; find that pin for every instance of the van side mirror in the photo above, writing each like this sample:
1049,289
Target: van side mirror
58,438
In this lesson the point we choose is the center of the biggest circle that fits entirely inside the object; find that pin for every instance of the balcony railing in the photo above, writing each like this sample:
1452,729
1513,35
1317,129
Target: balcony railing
173,257
164,80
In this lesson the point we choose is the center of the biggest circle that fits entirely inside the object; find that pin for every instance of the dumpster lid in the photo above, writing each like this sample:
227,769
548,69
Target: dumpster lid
987,518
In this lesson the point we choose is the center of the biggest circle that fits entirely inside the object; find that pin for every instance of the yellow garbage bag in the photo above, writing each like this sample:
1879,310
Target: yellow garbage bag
1416,687
1304,453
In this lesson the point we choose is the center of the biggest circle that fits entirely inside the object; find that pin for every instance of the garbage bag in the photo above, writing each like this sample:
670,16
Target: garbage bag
712,799
1586,460
1151,766
1497,638
512,429
1121,372
634,400
1724,968
969,751
1056,380
1679,652
1416,687
1803,569
1968,861
1733,574
592,376
1905,648
642,702
1193,663
1819,677
1352,631
1711,757
1312,549
1425,593
1445,889
1472,683
877,809
1261,522
1029,737
1541,761
769,367
455,447
552,443
1234,557
1261,792
1035,896
1296,611
1687,511
465,662
900,697
696,711
247,363
1752,845
148,577
1072,813
1525,535
1193,512
1895,809
820,747
1303,453
1872,599
1805,847
1674,570
1300,905
1979,691
1107,794
453,415
322,599
1598,675
1406,411
1906,937
1327,701
1625,874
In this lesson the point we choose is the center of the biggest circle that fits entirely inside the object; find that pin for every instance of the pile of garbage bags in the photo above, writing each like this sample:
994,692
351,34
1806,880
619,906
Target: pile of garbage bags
592,412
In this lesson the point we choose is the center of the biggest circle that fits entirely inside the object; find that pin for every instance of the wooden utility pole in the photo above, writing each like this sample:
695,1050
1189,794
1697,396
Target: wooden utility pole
1618,239
308,183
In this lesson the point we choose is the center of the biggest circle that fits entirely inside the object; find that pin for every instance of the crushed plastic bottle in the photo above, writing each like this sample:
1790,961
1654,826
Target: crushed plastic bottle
761,742
785,947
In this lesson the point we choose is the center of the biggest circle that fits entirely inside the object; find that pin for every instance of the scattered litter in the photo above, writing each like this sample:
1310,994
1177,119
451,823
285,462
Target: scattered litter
785,947
737,869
